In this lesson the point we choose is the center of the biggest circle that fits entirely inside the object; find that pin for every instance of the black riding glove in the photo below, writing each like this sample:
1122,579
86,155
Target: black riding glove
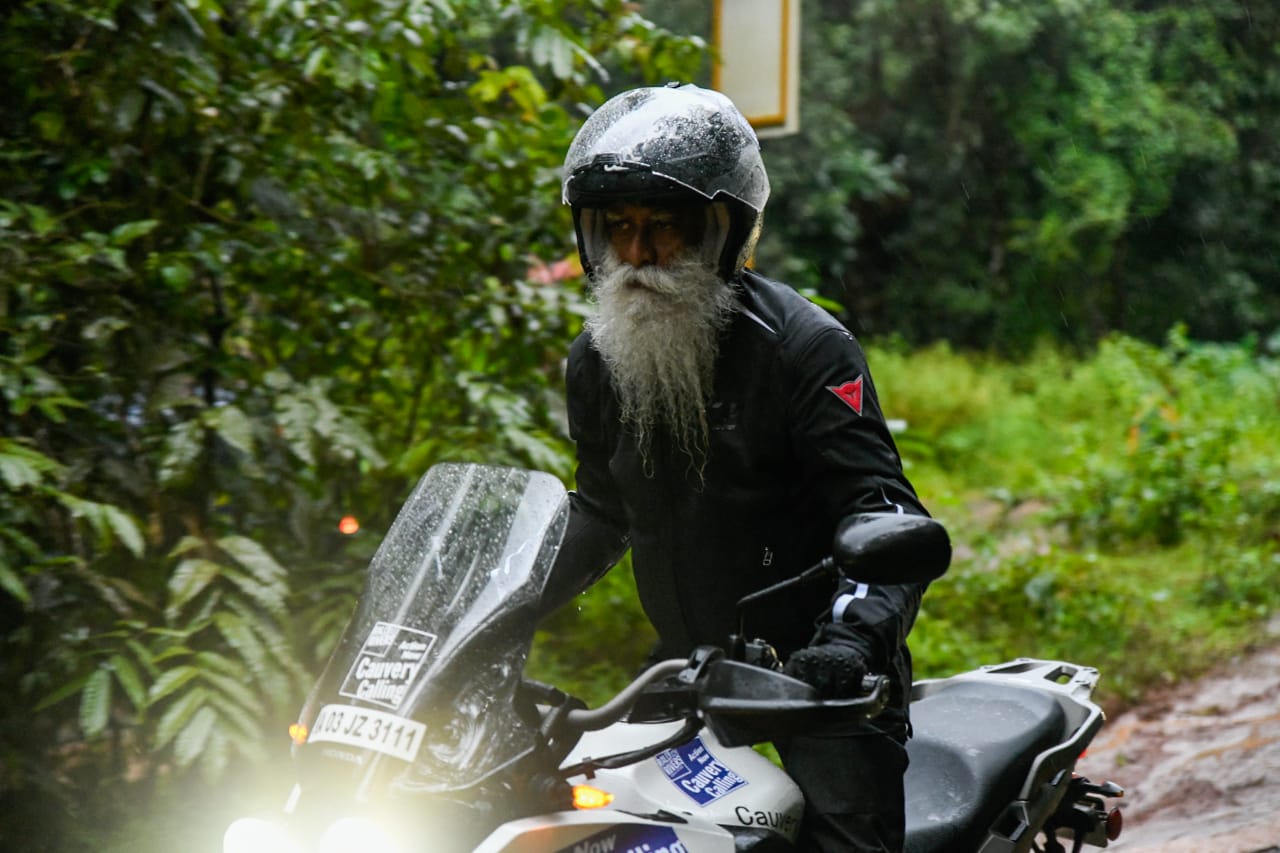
836,670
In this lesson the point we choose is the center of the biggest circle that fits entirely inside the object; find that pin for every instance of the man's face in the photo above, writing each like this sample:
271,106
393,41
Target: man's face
660,309
641,235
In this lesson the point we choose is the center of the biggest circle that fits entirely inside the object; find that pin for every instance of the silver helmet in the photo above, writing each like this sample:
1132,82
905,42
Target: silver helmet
669,144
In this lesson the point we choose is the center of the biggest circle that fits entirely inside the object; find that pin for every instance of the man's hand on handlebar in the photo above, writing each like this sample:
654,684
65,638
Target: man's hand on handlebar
836,670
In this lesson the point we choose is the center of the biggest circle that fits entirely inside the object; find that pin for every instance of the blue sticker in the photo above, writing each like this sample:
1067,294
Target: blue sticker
696,771
630,838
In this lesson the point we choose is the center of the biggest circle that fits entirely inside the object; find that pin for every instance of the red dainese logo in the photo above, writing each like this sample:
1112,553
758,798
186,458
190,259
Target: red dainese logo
850,393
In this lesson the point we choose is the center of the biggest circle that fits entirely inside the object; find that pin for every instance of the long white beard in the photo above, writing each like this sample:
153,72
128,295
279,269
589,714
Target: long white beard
658,330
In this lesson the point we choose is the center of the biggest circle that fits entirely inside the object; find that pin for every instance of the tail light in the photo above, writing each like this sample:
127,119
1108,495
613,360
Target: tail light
1115,824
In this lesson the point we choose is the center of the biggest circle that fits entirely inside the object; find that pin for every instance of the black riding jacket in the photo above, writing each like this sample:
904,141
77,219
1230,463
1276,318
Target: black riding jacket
798,442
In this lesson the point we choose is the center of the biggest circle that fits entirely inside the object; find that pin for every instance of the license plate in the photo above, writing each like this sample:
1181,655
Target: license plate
368,729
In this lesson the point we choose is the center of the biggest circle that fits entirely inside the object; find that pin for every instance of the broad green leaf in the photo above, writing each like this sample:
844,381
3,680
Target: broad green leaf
194,735
551,48
186,544
254,557
171,652
171,633
295,416
113,257
314,61
123,235
125,528
21,466
236,691
268,631
236,631
71,688
233,427
359,444
192,576
267,595
103,328
170,681
183,447
108,521
243,722
178,715
95,703
143,656
445,8
177,275
279,662
130,592
11,582
127,676
43,221
489,87
18,473
106,588
212,663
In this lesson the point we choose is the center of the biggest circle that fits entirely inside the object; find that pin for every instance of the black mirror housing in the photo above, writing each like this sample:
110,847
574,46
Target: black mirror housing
891,548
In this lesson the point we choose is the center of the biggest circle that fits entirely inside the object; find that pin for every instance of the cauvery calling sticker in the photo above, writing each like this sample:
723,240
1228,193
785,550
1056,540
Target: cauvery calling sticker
388,664
693,769
630,839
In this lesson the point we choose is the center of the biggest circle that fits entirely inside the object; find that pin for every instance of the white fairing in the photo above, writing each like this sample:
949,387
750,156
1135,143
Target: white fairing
730,786
708,785
605,831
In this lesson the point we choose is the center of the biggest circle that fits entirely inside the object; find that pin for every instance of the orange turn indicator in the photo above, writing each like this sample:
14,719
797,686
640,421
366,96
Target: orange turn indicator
587,797
298,732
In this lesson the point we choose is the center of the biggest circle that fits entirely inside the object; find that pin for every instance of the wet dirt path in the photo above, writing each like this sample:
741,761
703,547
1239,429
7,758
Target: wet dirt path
1201,765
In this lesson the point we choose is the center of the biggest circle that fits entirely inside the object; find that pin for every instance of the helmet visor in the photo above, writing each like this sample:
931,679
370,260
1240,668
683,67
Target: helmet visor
594,230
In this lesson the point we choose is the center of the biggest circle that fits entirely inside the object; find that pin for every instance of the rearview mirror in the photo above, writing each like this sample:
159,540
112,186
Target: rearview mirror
891,548
881,548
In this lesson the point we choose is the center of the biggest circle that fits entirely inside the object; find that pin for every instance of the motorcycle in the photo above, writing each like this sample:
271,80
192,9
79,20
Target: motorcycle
422,733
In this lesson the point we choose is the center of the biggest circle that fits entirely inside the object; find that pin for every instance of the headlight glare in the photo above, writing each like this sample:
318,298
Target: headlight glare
254,835
355,833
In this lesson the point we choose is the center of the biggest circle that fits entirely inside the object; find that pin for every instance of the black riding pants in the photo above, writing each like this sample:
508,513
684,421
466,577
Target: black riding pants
852,785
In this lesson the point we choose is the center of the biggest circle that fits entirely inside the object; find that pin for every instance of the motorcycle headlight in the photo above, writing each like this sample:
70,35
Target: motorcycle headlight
354,833
253,835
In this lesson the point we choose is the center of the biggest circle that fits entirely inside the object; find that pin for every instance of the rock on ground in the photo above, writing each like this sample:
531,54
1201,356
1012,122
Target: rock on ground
1201,765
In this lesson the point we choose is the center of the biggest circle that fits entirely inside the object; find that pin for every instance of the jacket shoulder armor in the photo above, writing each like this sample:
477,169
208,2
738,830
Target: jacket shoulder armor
781,310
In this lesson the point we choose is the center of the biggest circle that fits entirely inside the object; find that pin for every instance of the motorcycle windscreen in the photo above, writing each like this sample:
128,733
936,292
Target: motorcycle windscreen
421,688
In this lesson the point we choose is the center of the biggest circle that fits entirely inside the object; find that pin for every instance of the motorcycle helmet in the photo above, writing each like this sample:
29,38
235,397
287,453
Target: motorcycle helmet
673,144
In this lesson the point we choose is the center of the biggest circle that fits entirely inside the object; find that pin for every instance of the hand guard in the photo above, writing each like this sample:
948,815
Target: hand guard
835,670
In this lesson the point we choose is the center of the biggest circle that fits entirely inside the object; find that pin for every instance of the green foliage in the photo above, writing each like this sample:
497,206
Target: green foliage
596,643
1180,468
261,264
264,262
987,174
1146,620
1118,510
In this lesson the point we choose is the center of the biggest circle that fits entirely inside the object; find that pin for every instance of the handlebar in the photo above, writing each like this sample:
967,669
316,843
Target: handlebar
590,720
740,702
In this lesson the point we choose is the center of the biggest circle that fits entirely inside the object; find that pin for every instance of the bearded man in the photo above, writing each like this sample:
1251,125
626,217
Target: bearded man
724,427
